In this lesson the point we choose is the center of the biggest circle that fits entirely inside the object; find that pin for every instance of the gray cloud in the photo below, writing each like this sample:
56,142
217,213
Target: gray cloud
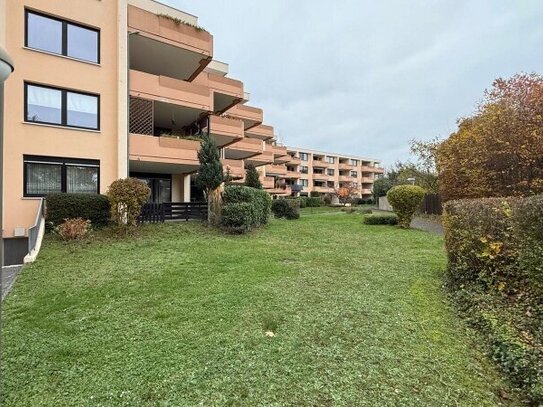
365,77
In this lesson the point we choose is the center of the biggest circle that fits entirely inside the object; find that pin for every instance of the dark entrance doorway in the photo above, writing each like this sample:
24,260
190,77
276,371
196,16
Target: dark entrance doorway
160,184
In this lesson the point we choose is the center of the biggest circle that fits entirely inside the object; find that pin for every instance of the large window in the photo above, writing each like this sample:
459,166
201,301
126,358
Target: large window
43,175
353,162
303,156
62,37
330,172
44,104
304,169
330,160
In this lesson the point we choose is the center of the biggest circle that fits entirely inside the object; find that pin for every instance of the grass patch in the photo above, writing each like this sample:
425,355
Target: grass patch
179,314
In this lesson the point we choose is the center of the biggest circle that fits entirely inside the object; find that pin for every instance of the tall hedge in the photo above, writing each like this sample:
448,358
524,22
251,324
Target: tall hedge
495,271
94,207
244,208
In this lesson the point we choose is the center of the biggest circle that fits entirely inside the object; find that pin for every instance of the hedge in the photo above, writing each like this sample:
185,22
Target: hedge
61,206
381,219
311,202
495,272
244,208
286,208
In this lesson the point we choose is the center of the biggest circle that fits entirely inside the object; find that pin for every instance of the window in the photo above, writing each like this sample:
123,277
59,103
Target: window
43,175
44,104
304,183
330,160
62,37
304,169
330,171
354,174
304,156
354,162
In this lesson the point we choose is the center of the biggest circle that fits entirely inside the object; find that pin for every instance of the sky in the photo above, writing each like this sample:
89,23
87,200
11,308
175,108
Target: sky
365,77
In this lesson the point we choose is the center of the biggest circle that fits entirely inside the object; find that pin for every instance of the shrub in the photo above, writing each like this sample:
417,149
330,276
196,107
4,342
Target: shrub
365,211
495,272
314,194
313,202
327,199
405,200
381,219
252,178
303,202
72,229
286,208
61,206
127,196
254,214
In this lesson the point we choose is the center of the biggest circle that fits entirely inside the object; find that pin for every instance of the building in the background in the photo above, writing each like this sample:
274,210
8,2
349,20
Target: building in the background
109,89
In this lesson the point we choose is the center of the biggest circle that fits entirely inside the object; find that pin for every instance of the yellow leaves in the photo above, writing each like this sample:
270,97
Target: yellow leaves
491,249
501,285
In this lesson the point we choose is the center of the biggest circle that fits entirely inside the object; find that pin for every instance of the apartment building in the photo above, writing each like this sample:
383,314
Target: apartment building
108,89
317,171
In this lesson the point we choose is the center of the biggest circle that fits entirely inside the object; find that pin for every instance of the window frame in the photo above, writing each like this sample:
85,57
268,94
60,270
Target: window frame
63,107
64,163
64,39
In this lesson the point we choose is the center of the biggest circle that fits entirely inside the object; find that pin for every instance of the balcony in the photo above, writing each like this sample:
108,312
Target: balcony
277,170
367,180
346,178
251,116
345,166
162,46
294,160
244,148
322,189
320,177
224,130
262,132
366,191
163,154
261,159
320,164
172,91
233,167
227,92
267,182
280,155
293,174
378,170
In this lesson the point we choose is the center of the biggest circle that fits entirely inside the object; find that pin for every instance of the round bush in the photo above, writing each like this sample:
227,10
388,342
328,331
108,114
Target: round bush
257,199
405,200
127,196
286,208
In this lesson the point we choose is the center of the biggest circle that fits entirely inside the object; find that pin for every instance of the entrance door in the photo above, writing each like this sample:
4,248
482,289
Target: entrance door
160,184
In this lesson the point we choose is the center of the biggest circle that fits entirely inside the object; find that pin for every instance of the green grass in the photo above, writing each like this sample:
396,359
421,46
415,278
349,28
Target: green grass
178,316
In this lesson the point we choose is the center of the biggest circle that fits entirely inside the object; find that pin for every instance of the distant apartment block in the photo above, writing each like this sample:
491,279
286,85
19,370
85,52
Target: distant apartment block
108,89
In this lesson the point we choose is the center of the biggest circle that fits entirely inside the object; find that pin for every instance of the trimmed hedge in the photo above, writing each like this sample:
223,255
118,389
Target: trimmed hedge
244,208
311,202
93,207
286,208
495,272
381,219
405,200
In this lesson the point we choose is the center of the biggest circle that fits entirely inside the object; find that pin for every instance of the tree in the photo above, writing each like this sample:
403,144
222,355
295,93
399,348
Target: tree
381,187
346,192
252,178
497,151
210,177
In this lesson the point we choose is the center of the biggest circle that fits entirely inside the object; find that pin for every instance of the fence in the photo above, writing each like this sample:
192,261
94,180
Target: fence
156,213
432,205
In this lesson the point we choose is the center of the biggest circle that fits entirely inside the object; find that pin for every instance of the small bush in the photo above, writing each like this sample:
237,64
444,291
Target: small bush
61,206
349,210
365,211
381,219
312,202
73,229
303,202
314,194
127,196
256,213
327,199
286,208
405,200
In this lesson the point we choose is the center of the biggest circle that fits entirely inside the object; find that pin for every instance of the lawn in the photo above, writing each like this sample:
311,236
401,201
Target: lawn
178,316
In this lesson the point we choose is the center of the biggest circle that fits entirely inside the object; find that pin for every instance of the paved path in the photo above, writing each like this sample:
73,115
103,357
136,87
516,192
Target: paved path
9,275
429,225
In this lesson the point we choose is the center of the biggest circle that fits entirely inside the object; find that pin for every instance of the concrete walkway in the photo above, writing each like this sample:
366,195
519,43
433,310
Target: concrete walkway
429,225
9,275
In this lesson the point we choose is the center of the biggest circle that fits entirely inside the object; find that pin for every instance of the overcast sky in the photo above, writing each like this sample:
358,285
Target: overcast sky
365,77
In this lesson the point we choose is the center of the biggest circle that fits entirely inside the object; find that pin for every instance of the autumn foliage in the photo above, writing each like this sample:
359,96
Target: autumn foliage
346,192
498,151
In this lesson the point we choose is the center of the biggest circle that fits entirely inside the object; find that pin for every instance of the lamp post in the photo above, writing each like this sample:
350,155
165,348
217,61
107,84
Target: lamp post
6,68
411,180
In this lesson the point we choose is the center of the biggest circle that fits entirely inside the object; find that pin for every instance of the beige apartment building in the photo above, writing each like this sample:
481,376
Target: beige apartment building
108,89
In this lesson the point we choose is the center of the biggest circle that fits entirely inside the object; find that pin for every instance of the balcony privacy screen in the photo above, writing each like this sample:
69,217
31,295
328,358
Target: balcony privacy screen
141,116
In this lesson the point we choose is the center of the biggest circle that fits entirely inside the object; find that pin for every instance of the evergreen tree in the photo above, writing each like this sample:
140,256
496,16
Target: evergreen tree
252,179
210,176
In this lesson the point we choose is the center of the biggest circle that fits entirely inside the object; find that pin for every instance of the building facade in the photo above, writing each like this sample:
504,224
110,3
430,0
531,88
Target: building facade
108,89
